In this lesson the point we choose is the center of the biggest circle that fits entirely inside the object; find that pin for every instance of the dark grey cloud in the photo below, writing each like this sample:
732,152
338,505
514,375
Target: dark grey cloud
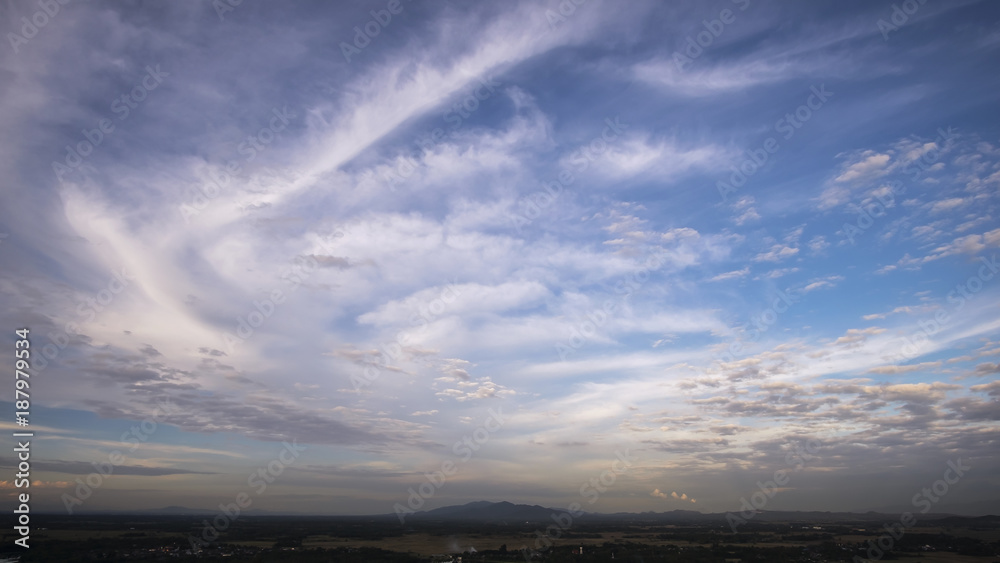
86,468
987,368
331,261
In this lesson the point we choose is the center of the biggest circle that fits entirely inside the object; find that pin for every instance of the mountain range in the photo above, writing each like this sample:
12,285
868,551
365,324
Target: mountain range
509,513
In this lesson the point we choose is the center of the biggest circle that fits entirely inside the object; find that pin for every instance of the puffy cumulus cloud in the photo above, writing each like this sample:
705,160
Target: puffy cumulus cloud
969,244
908,157
456,369
860,168
480,389
682,496
673,495
866,166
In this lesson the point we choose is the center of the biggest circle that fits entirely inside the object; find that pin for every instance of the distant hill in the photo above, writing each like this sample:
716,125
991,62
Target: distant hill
180,510
510,513
184,511
486,511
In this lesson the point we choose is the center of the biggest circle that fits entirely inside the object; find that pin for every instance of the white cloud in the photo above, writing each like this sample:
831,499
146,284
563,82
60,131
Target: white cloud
777,253
713,80
949,204
868,166
818,244
857,336
827,282
731,275
635,155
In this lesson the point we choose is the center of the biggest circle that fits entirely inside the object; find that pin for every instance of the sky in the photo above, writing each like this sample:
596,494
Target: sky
647,256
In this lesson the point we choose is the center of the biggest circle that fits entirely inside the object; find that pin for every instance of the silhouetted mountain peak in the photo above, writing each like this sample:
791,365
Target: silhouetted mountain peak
492,511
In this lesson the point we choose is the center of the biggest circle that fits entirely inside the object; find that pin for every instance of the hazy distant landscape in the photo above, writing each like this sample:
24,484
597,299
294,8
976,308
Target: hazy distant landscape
494,532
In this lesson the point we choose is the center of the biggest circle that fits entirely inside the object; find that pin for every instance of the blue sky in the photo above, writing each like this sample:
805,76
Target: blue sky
703,233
